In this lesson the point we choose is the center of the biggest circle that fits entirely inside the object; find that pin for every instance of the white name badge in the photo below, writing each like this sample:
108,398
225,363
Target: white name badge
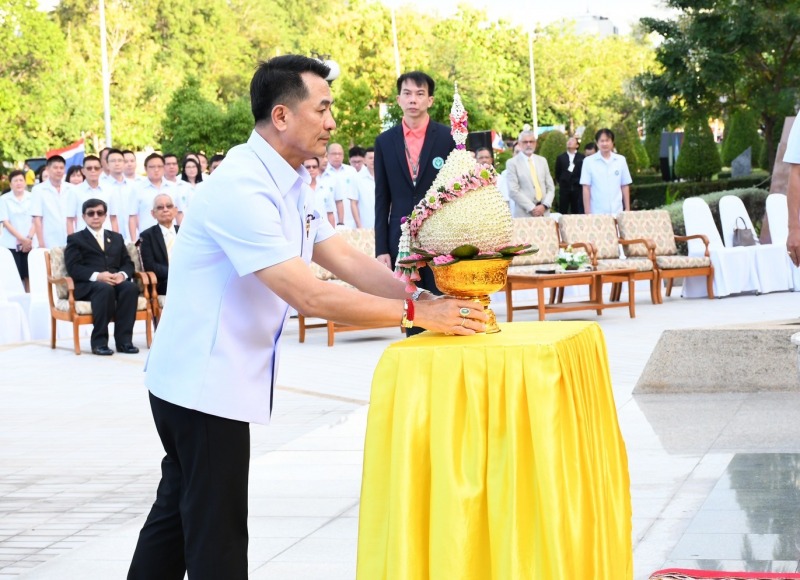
571,167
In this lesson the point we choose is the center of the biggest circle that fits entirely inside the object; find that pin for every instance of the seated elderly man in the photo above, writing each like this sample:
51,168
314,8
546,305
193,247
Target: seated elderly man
157,240
101,268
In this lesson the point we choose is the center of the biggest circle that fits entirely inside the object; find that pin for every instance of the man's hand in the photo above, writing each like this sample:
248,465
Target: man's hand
538,211
445,316
793,246
110,278
386,260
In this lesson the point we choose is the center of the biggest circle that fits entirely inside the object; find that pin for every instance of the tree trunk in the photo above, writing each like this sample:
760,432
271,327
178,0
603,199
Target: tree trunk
769,130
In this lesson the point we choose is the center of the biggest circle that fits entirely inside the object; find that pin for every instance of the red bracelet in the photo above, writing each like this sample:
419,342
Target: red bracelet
408,314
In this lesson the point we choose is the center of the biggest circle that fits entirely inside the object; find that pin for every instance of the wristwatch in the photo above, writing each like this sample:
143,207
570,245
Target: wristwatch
419,292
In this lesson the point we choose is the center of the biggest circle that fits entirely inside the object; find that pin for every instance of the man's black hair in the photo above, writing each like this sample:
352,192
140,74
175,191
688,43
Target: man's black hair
152,156
215,158
92,158
419,78
55,159
110,151
590,145
278,81
356,152
607,132
94,202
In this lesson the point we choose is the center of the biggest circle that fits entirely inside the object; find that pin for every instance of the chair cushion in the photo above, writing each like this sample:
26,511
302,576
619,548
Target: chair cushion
600,230
58,269
540,232
161,300
85,307
640,264
676,262
652,225
363,239
529,270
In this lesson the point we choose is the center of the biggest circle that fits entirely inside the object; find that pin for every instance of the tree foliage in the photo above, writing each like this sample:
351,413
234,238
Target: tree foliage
698,158
719,55
741,132
627,143
554,145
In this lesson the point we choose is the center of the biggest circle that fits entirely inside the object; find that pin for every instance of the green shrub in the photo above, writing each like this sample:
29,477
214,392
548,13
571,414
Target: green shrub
554,146
741,133
652,146
648,177
698,158
654,195
627,143
588,135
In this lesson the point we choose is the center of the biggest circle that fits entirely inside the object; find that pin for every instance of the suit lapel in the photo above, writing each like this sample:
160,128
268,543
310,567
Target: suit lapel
161,243
91,240
427,146
400,150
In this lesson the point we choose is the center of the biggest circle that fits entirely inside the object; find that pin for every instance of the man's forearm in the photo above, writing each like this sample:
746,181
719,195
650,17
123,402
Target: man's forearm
587,197
626,197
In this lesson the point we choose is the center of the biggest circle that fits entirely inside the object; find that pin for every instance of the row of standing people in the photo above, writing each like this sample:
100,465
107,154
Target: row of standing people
52,210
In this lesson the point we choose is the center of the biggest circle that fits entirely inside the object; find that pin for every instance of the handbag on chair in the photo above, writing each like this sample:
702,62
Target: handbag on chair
743,236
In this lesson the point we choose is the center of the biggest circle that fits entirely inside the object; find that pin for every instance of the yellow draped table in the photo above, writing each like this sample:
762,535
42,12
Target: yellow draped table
495,457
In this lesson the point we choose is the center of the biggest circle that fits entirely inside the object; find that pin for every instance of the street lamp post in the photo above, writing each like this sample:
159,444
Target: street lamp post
106,74
534,113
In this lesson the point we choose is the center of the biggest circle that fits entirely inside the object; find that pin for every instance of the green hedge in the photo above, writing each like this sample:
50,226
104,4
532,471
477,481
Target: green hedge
754,199
653,195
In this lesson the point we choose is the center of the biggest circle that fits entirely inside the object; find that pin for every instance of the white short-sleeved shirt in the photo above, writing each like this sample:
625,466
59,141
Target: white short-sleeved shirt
365,188
119,198
52,206
606,178
81,193
181,194
345,187
792,154
323,195
141,202
18,213
216,349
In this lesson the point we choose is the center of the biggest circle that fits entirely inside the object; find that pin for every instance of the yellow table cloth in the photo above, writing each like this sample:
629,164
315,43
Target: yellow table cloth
495,457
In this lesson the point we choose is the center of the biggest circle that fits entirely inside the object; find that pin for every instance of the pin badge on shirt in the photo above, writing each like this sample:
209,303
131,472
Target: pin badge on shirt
616,172
438,162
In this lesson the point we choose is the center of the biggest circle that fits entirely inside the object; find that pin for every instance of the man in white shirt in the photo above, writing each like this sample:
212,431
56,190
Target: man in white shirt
606,179
49,205
91,188
355,156
141,205
120,191
130,167
182,191
362,208
792,156
344,183
239,263
530,184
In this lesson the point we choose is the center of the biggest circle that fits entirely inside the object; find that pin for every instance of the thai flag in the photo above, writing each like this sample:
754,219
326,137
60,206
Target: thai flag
497,141
73,154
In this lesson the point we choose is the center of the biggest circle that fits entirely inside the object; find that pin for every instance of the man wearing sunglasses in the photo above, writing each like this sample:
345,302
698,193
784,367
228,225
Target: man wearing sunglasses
98,262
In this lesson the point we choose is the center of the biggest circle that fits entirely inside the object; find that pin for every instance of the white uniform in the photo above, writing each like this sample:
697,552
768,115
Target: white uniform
216,349
365,188
606,178
18,213
52,206
81,193
344,189
141,202
792,154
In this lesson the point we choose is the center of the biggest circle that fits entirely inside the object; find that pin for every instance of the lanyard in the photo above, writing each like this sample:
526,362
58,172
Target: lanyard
414,164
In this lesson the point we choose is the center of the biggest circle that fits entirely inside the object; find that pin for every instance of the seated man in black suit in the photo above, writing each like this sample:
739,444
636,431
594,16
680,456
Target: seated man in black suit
98,262
157,240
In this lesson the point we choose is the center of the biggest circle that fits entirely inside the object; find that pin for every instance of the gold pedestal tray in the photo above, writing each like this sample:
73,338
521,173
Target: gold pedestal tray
474,280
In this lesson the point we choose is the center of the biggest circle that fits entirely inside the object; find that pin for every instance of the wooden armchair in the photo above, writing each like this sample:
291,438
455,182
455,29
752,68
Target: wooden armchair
63,305
601,231
656,225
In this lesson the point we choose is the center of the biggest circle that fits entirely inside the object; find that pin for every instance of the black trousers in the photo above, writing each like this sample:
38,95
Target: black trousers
117,303
198,522
570,199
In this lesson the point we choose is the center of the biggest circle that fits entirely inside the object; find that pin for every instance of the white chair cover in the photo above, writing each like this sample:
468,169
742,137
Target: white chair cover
10,281
13,323
734,268
778,217
771,259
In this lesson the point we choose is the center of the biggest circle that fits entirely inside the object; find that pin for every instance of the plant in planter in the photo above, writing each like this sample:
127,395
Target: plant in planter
569,260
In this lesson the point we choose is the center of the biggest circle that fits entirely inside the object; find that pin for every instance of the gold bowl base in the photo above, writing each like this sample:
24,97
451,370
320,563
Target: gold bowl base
474,280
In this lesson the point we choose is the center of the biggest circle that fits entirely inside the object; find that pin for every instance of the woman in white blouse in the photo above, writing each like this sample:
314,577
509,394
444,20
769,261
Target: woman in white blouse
15,215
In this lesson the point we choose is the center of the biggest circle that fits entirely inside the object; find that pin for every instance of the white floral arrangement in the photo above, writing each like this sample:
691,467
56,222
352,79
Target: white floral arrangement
568,259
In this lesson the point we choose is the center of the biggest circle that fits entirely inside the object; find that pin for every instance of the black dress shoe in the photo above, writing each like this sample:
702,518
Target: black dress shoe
127,349
102,351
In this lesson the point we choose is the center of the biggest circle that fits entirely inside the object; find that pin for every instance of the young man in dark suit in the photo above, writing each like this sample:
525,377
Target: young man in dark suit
568,176
98,262
407,159
157,240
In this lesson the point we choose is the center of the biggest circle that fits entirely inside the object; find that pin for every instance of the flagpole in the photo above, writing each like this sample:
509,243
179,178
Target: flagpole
534,112
106,75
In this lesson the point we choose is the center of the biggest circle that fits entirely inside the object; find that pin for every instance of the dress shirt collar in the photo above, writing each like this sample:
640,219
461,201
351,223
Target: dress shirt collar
284,175
419,132
95,233
167,231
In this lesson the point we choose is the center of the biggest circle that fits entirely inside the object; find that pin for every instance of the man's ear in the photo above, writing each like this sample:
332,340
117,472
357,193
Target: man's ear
279,117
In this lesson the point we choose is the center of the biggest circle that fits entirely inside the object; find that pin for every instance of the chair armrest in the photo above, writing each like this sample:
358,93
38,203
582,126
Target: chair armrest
147,282
702,237
70,288
648,243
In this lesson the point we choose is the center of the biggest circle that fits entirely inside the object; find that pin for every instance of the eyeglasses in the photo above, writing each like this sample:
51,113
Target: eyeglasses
310,167
163,207
92,168
95,212
154,167
527,142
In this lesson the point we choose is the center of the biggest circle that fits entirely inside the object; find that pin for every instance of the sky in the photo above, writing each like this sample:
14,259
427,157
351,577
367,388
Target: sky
526,12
